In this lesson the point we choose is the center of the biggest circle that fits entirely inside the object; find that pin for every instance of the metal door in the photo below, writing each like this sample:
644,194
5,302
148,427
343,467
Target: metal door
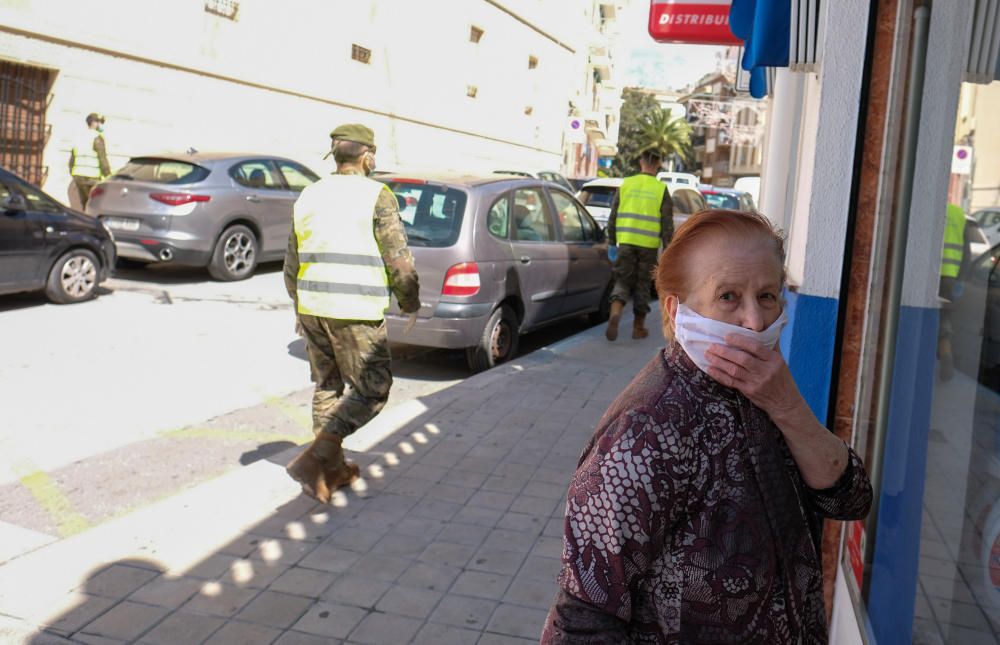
24,99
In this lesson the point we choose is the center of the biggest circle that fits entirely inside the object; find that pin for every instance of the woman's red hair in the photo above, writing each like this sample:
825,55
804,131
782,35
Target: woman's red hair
673,272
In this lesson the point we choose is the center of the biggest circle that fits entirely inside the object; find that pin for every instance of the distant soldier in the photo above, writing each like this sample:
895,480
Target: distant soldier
88,160
347,254
641,219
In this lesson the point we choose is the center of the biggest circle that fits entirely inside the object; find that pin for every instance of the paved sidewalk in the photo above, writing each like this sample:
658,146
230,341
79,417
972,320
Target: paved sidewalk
452,536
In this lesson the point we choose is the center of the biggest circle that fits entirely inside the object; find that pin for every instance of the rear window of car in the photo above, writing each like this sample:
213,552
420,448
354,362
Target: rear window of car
600,196
976,232
431,213
720,200
161,171
687,201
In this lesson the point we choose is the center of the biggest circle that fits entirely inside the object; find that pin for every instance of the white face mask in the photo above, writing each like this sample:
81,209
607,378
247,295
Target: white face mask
695,333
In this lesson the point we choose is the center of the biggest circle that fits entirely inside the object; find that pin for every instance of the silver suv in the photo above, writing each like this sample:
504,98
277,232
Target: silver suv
497,257
220,210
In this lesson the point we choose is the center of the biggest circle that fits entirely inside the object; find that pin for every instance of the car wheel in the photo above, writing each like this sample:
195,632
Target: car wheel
73,277
235,255
498,343
604,311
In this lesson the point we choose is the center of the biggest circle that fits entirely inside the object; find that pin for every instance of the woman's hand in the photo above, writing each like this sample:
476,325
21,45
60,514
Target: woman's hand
762,375
757,371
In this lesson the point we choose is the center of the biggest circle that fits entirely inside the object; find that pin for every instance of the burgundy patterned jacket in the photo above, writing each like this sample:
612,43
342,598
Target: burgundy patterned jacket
688,521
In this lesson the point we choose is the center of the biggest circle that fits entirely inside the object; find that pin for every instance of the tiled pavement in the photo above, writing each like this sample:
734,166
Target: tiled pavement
452,537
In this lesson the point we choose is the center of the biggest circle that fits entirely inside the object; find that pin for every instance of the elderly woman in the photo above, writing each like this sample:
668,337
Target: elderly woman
696,511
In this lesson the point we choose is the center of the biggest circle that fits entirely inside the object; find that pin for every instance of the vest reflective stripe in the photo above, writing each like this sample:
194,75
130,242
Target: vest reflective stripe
341,258
638,220
341,272
954,242
85,161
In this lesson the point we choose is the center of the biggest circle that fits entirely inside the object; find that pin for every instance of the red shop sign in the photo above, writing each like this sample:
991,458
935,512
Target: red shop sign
701,22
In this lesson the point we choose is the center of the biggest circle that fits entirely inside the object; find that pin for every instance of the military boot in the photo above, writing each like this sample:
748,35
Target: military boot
617,307
639,327
321,468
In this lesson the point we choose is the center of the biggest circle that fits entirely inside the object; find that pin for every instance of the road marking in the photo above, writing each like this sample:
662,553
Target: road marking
302,418
226,433
46,492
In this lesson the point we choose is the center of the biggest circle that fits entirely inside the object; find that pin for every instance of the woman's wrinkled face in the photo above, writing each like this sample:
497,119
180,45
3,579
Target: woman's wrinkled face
737,281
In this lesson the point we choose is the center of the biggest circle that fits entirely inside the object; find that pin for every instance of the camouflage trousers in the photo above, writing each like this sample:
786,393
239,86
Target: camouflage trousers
346,353
83,186
633,272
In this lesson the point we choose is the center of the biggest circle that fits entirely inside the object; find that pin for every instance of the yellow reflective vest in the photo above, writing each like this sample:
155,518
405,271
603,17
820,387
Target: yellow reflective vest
341,272
638,219
954,242
85,160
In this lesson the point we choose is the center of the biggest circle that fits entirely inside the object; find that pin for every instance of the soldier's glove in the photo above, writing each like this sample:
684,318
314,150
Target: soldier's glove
613,253
410,324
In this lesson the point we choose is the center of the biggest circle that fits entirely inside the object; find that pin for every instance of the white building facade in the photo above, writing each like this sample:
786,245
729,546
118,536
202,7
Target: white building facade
470,85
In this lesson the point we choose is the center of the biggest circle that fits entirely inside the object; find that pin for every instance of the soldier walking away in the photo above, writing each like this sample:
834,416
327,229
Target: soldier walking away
955,256
641,219
88,160
347,254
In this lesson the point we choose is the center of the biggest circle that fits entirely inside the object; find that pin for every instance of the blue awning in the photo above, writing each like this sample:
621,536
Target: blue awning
764,26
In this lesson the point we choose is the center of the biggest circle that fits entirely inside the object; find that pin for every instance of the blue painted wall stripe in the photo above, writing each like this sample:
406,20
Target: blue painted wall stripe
897,545
807,345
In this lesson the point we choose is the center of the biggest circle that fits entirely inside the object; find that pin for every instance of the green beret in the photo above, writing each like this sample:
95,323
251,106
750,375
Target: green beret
354,132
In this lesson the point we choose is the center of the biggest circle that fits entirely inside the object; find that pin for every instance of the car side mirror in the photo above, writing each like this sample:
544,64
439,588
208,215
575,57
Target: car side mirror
13,203
602,234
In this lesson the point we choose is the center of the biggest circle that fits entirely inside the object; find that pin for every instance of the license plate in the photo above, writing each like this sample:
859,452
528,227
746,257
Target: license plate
122,223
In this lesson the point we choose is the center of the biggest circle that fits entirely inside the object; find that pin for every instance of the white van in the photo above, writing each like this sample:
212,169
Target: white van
678,179
749,185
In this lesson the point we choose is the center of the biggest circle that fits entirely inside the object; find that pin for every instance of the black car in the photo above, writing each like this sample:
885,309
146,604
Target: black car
45,246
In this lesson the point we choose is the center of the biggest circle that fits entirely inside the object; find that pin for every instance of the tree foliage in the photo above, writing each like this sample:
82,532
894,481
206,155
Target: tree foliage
646,125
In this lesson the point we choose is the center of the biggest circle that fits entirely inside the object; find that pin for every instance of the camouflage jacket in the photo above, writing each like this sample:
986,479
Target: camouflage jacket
391,237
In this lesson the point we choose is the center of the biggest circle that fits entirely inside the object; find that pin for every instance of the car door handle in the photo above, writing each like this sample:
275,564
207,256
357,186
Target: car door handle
253,198
524,259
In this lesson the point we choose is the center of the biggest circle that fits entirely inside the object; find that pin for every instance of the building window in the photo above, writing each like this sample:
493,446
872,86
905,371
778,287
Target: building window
361,54
471,91
528,110
224,8
532,62
475,34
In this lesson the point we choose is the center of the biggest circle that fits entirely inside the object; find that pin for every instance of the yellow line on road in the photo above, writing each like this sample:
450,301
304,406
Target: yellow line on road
302,417
46,492
226,433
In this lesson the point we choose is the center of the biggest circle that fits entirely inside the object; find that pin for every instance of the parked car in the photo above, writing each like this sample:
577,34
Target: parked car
976,320
979,242
598,195
989,220
223,211
678,179
497,257
727,198
45,246
578,182
547,175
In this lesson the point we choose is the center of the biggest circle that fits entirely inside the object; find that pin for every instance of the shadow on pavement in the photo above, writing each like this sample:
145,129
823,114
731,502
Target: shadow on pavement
167,274
453,534
265,451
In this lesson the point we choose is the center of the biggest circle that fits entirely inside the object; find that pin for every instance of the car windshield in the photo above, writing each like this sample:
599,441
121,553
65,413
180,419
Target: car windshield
161,171
600,196
431,213
722,200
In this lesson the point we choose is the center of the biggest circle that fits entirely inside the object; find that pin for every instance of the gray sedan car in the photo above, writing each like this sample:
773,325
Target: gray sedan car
497,257
226,212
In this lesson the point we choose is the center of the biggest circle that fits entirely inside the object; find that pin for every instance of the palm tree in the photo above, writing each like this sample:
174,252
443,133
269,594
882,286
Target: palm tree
659,131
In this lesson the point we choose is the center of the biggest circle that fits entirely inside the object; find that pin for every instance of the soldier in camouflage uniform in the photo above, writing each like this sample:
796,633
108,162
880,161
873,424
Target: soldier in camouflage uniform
641,221
349,348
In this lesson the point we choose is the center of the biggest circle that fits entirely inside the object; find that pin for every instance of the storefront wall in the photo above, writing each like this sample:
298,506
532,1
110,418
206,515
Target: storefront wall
933,573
